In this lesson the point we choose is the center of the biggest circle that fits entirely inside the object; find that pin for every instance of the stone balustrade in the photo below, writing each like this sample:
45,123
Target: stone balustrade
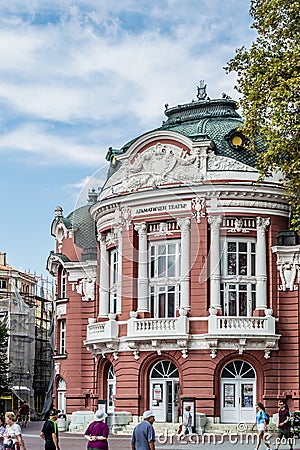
243,326
157,327
102,330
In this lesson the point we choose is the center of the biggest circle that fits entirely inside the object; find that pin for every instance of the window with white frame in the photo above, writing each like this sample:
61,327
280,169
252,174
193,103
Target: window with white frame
62,336
164,277
238,276
113,281
63,283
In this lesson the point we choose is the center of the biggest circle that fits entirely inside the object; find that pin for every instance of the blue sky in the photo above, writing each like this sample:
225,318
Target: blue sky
77,77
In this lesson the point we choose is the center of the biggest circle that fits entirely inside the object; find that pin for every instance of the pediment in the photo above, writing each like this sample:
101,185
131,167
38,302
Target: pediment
159,164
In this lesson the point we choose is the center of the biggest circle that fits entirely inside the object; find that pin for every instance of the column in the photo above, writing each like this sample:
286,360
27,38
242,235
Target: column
104,278
214,257
143,294
185,226
261,262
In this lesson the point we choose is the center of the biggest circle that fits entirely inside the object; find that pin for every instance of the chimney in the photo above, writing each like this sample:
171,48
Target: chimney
3,259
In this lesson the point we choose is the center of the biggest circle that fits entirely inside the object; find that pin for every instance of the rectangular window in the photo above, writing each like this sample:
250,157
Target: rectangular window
63,284
164,278
62,337
238,282
3,283
113,281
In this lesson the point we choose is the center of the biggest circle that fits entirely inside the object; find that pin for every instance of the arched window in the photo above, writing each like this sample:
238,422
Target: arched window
164,369
240,369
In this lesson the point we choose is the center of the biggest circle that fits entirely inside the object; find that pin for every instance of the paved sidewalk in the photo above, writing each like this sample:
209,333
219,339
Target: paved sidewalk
70,441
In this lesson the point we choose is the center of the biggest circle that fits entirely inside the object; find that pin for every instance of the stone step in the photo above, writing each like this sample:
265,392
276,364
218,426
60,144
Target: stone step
172,428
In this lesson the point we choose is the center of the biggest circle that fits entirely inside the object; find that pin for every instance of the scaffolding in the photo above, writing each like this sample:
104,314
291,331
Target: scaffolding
28,315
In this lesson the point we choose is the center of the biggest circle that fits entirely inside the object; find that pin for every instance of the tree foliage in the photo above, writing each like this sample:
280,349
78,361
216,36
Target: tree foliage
4,378
268,77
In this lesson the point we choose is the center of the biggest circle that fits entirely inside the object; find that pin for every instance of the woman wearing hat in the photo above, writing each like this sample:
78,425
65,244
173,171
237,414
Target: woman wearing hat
97,432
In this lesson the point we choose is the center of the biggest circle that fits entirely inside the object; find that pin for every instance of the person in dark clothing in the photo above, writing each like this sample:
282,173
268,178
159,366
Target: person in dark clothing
49,431
284,424
23,413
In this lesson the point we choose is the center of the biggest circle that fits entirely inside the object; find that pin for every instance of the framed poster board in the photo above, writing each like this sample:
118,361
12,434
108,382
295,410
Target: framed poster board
229,395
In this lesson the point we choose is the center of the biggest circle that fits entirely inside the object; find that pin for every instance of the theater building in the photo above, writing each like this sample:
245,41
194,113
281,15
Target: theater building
178,281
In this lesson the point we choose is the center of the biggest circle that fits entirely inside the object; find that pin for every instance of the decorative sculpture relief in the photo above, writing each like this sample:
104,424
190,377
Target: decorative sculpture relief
87,288
157,165
163,229
198,208
216,163
126,217
288,264
238,227
288,271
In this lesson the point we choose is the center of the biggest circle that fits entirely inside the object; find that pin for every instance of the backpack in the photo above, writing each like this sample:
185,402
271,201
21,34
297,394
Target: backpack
267,419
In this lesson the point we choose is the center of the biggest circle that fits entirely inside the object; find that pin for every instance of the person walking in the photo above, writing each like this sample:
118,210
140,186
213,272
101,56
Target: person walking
97,432
143,436
49,431
187,421
284,424
23,413
12,436
261,424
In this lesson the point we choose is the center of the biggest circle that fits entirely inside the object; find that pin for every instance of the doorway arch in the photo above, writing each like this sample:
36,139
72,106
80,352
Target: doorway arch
238,392
164,391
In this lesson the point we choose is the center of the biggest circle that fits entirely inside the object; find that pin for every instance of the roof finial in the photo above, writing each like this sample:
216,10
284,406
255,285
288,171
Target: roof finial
92,196
201,90
58,211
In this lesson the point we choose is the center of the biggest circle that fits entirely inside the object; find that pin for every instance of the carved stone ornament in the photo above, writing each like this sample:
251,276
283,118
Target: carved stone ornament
157,165
288,271
126,217
86,288
198,208
288,264
226,164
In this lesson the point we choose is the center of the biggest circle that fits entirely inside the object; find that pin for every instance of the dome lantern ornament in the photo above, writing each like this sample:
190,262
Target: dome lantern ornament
201,90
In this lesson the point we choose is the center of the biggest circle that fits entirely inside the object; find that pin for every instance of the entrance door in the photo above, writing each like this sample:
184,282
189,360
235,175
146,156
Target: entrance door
238,393
164,388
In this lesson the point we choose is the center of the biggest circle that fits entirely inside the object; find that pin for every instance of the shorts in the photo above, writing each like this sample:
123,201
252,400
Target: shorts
260,427
283,432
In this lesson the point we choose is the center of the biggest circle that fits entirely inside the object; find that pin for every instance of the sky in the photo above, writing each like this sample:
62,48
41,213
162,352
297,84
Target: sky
77,77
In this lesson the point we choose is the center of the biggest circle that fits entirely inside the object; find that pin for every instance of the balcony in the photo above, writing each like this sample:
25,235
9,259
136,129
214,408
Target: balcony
102,336
223,325
156,328
165,334
242,333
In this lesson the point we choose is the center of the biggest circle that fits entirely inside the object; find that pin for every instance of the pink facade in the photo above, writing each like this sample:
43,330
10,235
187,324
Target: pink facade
172,284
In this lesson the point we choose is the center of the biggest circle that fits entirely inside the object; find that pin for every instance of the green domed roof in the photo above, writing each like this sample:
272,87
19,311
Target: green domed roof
200,120
84,231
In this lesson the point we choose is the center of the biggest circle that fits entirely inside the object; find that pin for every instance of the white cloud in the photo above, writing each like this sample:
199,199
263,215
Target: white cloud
94,62
36,140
